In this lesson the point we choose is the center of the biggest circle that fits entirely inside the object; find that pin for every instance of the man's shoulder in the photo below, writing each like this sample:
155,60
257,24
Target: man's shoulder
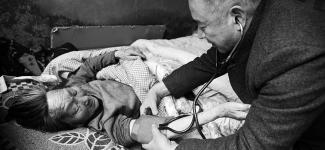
288,27
290,23
288,36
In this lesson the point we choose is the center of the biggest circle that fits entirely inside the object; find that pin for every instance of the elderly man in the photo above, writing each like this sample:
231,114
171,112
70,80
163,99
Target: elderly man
274,53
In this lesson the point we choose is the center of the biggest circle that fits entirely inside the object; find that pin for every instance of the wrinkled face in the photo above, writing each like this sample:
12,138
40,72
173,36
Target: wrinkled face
220,33
75,105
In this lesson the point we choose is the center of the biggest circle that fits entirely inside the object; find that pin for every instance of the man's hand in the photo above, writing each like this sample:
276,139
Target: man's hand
159,141
130,53
155,94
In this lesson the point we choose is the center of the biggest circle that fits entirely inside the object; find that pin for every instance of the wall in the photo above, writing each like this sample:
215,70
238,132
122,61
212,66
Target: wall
29,21
117,11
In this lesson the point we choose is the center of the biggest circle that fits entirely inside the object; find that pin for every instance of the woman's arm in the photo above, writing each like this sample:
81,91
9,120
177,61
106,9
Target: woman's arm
140,128
88,70
229,109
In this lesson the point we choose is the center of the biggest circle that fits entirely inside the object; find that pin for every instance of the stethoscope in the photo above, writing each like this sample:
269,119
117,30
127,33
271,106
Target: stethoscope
195,120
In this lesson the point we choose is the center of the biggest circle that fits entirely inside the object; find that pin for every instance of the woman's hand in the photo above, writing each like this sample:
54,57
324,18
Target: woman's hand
233,110
151,103
130,53
154,96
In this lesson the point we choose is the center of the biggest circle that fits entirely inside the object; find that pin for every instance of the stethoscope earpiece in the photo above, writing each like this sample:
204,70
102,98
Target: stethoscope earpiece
241,26
236,20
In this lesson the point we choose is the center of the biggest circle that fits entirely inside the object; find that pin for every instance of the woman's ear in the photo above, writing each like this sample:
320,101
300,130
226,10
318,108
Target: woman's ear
239,16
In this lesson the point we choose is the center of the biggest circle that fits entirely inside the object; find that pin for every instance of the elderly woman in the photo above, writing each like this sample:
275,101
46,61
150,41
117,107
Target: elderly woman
107,106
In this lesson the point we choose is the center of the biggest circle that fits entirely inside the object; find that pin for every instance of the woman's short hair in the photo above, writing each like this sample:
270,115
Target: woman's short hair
30,110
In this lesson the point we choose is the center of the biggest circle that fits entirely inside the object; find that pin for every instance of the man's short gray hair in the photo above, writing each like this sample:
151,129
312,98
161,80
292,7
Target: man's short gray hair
220,8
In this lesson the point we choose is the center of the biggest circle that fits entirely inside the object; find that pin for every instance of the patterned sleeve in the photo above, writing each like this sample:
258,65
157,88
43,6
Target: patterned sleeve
88,70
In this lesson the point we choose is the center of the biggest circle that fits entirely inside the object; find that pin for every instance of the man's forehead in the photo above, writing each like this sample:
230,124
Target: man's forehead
200,11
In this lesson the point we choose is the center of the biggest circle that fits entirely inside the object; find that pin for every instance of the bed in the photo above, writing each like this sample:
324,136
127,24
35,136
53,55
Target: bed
163,56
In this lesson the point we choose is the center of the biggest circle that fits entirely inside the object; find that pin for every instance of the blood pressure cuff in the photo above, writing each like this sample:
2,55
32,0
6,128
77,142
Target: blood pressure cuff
141,131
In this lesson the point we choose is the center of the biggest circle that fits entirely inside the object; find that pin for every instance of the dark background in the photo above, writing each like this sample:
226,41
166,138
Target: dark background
29,22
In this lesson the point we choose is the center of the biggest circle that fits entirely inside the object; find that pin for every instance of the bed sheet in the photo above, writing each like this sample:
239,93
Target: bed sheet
163,56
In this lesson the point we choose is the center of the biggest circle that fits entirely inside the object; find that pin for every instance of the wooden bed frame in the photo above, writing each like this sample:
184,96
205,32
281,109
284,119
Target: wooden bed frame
88,37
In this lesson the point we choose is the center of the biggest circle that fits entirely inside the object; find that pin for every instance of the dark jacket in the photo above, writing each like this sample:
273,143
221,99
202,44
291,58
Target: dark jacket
279,68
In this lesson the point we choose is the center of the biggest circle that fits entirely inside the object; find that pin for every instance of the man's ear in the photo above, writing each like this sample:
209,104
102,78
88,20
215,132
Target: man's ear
239,15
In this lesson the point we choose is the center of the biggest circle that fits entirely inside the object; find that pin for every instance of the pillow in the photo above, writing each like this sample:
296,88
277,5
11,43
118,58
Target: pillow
10,85
64,64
